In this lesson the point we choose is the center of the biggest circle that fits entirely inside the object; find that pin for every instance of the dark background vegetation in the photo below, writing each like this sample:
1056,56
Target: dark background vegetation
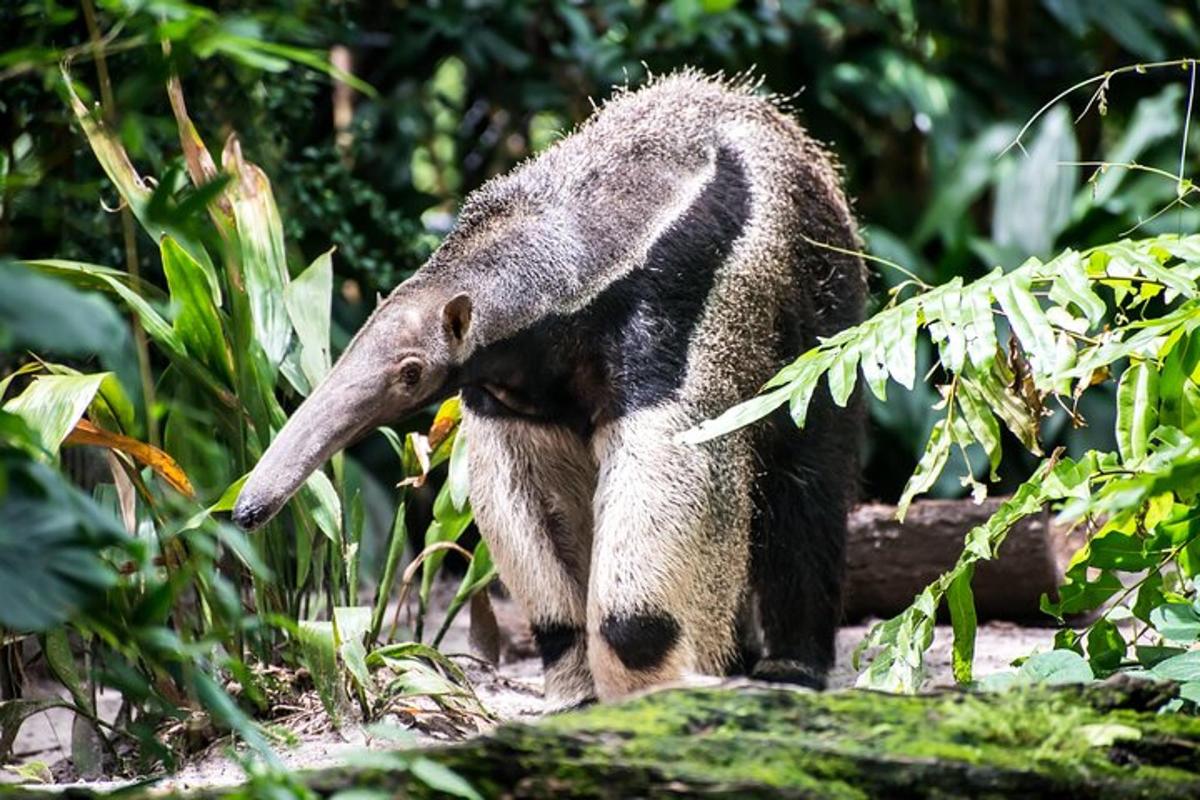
916,98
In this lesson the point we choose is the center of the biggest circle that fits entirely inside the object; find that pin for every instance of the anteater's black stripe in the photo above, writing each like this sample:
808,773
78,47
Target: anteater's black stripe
627,349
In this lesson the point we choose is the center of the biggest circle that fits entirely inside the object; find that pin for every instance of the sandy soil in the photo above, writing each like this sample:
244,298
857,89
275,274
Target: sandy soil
512,691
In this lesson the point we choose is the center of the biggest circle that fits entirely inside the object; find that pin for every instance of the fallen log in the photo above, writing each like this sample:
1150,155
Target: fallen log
889,562
1101,741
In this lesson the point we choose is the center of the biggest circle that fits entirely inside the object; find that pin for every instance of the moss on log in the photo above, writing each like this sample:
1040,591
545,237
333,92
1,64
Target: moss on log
1104,741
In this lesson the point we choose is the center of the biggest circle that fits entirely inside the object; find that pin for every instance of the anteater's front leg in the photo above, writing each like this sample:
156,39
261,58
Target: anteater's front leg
531,489
670,558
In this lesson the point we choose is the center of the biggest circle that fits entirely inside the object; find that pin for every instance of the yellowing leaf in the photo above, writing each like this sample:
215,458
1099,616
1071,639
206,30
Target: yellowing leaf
163,465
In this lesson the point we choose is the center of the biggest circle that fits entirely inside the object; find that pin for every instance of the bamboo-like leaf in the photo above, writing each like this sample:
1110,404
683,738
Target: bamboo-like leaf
197,322
961,602
307,300
929,468
480,572
1137,409
263,259
53,404
200,164
163,465
109,151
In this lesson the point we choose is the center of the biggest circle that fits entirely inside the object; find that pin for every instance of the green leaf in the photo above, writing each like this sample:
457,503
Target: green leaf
961,602
929,468
1073,287
1183,668
307,300
901,338
52,404
1028,322
353,623
197,323
459,476
322,501
1137,409
979,327
1176,622
1106,647
318,650
737,417
56,646
51,535
1055,668
842,376
263,259
442,779
981,422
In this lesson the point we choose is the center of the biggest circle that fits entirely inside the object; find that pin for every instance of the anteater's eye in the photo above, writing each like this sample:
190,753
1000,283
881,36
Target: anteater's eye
410,372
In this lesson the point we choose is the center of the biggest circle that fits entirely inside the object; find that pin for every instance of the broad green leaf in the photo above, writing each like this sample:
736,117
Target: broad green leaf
353,623
52,404
263,260
318,649
1034,194
1106,647
1176,622
307,300
1183,668
51,536
442,779
1055,668
961,603
197,321
56,646
1137,409
322,500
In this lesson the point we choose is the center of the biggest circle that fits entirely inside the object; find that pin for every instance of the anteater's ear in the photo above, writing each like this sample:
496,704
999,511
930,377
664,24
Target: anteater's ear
456,319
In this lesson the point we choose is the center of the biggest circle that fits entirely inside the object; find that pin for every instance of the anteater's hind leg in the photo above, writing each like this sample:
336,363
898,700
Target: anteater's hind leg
531,489
802,497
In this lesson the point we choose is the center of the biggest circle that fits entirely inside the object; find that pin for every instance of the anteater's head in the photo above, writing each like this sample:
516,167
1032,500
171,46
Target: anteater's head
406,356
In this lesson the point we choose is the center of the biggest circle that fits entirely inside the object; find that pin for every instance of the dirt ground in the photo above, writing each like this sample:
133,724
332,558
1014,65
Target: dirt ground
512,691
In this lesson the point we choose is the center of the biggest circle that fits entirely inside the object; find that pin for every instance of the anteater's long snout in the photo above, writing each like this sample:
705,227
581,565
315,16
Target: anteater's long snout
333,417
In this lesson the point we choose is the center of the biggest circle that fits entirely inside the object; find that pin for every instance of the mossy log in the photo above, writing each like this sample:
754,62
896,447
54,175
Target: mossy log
1104,741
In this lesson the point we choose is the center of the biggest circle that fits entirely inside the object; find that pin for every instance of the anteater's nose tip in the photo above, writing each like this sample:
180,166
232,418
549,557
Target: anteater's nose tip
249,514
